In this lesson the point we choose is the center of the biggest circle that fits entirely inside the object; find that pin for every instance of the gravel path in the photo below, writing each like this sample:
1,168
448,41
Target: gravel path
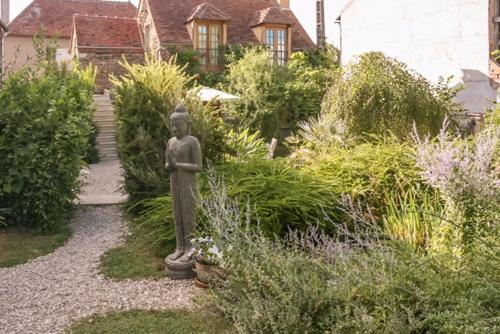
104,179
102,184
49,293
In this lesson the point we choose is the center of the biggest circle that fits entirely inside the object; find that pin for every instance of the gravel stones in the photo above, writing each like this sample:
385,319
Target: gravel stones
104,178
49,293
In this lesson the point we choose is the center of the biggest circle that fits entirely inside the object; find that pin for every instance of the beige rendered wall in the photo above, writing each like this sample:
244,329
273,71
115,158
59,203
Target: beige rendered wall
17,51
434,37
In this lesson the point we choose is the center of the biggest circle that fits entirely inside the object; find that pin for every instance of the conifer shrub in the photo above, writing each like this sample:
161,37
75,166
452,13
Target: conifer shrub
46,115
145,98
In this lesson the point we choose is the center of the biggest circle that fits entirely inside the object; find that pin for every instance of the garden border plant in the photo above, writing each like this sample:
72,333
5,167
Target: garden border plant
45,129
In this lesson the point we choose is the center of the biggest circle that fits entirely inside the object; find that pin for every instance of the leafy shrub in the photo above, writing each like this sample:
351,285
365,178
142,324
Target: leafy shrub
282,197
45,128
290,194
378,95
243,145
368,171
92,156
259,83
145,98
274,97
311,283
157,221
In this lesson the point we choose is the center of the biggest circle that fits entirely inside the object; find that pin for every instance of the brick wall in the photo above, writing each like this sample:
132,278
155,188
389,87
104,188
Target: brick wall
108,63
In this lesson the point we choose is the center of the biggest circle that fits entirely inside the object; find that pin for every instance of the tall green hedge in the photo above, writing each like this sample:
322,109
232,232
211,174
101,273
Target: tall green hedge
45,125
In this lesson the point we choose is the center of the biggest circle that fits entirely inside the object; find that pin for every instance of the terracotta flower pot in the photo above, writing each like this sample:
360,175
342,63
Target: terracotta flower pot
199,284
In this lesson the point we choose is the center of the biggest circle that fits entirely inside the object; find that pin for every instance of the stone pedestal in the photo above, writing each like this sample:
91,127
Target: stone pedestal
180,270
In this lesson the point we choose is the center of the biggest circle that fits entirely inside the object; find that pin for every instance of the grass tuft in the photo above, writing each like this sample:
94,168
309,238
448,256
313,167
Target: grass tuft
146,322
18,246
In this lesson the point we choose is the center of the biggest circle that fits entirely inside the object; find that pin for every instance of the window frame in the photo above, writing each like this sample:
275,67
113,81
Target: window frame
278,51
495,25
210,53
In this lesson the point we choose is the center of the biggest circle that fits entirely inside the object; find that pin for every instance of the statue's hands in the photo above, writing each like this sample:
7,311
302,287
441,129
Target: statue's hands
171,164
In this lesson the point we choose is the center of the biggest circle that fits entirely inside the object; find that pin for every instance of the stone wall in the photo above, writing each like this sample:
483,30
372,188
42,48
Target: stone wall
108,63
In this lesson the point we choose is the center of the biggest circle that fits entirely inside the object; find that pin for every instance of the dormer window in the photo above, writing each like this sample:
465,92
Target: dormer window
276,41
207,26
209,45
273,29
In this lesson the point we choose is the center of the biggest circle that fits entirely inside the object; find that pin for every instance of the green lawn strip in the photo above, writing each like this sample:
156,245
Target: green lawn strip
18,246
140,257
152,322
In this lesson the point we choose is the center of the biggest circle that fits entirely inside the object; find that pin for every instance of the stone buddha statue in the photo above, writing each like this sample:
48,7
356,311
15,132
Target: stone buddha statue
183,161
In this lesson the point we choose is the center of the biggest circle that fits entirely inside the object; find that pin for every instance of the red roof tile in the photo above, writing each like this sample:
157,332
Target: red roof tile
271,15
107,32
170,15
56,15
207,11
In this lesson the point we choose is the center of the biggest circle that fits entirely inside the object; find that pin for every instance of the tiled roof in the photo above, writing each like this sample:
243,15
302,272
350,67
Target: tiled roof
57,15
271,15
107,32
170,15
207,11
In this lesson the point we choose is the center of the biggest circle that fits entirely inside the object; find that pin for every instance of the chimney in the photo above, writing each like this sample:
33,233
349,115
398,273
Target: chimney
4,11
284,4
320,25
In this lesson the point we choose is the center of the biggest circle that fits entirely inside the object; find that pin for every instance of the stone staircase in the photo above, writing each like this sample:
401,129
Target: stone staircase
105,120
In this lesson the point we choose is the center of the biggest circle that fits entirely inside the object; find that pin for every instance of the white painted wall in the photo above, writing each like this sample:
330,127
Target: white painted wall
434,37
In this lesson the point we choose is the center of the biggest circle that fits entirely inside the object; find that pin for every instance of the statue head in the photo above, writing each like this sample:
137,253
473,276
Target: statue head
180,121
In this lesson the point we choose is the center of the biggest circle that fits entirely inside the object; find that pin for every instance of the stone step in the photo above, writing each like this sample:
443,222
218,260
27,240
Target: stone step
100,105
105,110
109,150
106,134
107,145
101,97
110,157
104,117
106,128
107,123
107,137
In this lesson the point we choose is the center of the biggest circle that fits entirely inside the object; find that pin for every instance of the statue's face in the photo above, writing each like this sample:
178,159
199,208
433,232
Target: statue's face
179,127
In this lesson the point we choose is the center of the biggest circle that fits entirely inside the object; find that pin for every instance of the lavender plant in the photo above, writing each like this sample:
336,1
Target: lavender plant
467,175
357,282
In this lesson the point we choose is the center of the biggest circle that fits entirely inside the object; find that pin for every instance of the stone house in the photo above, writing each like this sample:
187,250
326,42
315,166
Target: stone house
105,50
207,26
102,32
436,38
56,18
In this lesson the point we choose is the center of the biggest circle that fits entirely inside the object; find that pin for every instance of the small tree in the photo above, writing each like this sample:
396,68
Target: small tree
378,95
273,97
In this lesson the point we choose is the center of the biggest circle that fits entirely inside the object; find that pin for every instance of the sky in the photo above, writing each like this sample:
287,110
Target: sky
305,10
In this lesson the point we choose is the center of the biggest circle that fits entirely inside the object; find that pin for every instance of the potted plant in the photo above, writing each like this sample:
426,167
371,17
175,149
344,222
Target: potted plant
208,258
